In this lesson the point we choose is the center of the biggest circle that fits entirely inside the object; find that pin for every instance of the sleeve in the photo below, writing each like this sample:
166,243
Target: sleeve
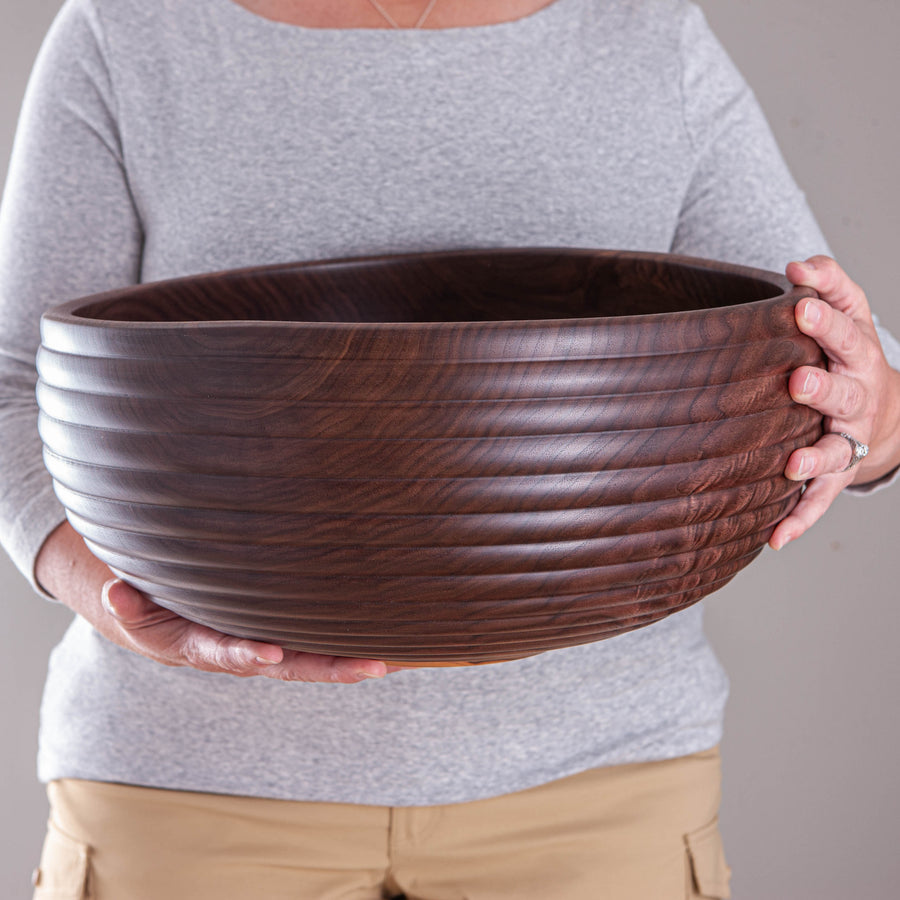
68,227
742,203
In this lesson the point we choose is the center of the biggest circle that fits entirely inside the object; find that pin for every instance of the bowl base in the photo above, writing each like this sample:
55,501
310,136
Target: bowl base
453,663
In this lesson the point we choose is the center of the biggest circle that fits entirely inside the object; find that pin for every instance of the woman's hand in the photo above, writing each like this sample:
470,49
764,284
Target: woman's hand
71,573
858,395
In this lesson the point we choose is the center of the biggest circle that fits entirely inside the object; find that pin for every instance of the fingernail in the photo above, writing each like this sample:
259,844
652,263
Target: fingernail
368,675
810,383
812,313
262,661
805,467
107,601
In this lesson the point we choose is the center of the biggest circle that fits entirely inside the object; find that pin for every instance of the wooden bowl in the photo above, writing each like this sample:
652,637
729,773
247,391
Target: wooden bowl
438,458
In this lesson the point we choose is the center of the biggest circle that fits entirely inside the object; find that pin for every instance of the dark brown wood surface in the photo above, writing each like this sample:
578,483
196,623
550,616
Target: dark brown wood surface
452,457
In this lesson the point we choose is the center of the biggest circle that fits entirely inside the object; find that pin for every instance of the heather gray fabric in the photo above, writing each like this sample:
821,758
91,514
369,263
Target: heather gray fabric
176,136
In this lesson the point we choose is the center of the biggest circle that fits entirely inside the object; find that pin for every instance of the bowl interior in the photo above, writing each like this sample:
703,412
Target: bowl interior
466,286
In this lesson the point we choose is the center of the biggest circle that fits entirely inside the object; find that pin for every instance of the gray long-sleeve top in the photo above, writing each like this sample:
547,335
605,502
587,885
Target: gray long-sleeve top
176,136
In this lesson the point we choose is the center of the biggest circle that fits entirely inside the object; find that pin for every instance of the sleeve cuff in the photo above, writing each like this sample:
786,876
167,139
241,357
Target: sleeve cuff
870,487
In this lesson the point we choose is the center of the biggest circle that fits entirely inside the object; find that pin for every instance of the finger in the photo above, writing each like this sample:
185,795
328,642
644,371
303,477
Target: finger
314,667
816,499
831,283
830,455
167,637
846,341
209,650
173,640
129,607
839,397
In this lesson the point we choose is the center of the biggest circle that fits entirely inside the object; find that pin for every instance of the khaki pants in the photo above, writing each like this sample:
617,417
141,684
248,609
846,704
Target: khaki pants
637,832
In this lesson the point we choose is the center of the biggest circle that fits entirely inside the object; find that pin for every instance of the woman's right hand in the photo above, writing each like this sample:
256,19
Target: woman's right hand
68,571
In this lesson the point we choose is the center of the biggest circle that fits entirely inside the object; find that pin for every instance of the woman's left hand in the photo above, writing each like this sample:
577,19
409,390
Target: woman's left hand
859,395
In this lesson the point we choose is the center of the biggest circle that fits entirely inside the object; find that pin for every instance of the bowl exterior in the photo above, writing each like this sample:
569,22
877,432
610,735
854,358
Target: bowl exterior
449,493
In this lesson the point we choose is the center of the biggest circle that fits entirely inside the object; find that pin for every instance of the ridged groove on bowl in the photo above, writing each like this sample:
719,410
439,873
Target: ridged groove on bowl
421,458
407,496
278,567
581,611
532,634
414,420
508,597
291,379
307,530
356,615
639,606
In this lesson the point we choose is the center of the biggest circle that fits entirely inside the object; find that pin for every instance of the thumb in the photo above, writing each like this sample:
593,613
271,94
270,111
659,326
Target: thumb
832,283
125,604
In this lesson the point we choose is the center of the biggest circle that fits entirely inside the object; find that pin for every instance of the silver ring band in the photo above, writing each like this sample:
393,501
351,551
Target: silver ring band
860,450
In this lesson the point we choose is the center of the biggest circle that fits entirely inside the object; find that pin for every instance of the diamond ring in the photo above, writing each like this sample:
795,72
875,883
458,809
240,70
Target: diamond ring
860,450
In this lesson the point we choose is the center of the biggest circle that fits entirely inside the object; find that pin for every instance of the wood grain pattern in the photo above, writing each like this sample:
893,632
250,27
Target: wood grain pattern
441,458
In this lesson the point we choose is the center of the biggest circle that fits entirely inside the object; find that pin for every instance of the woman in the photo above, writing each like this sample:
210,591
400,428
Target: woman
166,138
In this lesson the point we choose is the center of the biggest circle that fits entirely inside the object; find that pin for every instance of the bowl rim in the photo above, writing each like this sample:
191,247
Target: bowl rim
67,312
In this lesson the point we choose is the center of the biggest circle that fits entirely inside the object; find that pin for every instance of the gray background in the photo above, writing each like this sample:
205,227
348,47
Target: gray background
812,801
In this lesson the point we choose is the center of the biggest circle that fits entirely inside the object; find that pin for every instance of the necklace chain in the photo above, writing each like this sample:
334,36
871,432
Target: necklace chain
393,22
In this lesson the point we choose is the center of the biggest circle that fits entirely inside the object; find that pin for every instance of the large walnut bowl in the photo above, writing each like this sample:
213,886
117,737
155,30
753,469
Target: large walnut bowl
430,459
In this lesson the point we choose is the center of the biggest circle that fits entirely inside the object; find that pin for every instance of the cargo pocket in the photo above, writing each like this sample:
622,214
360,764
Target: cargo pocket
64,869
708,874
